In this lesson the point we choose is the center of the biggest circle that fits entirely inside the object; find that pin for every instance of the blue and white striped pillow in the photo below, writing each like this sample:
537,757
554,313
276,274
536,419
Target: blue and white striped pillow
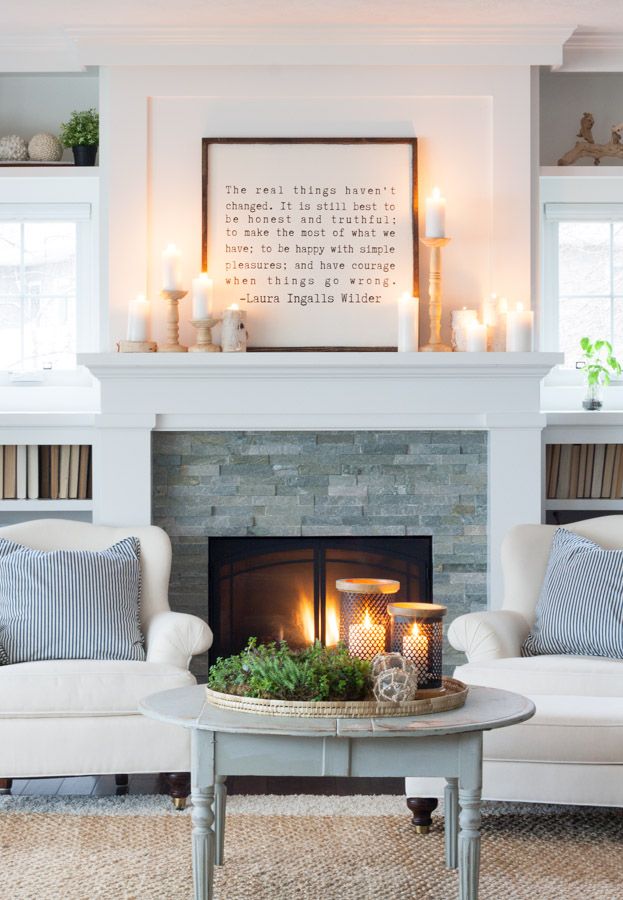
4,659
70,604
580,609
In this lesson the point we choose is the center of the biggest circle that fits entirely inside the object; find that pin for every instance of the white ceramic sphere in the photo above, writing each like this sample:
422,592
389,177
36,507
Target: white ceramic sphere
45,148
13,148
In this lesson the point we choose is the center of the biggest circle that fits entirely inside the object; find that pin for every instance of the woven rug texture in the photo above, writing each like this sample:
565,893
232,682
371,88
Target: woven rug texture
307,848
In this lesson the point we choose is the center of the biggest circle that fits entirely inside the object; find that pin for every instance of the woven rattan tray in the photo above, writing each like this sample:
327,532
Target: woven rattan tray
451,696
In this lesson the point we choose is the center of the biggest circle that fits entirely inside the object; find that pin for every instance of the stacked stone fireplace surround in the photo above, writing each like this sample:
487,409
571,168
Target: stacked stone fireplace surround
278,483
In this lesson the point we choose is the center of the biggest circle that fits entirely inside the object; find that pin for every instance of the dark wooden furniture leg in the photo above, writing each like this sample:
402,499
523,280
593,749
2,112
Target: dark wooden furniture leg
422,808
121,780
5,785
179,787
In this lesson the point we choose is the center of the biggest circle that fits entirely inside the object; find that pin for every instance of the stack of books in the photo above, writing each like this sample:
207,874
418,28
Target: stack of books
584,471
45,472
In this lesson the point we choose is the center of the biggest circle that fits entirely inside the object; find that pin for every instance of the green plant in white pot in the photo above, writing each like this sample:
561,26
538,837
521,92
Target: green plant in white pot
81,133
599,364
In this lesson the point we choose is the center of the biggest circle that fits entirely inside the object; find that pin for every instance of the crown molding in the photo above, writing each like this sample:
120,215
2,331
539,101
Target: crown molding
589,50
322,45
32,51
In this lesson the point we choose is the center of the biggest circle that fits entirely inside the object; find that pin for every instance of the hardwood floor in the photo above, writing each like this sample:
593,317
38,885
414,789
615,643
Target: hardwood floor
104,786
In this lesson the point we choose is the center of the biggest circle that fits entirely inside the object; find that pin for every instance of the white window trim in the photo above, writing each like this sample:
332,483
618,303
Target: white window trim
553,214
68,199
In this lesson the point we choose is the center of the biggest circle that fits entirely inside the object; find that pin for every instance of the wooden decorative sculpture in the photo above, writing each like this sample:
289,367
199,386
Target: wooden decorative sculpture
588,147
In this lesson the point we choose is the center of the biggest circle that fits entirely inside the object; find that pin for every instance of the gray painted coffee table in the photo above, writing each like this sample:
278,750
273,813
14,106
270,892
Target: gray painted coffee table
447,744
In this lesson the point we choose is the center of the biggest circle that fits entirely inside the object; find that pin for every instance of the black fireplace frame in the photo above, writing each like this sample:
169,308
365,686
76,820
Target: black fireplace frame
408,548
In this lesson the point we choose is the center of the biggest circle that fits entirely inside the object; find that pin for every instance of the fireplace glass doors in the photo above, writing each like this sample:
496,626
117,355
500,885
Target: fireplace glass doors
284,588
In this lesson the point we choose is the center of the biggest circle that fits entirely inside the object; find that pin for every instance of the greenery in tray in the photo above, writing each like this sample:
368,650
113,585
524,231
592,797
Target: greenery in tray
275,672
82,129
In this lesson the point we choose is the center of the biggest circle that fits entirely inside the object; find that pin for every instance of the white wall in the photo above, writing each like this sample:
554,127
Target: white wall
565,97
35,103
473,126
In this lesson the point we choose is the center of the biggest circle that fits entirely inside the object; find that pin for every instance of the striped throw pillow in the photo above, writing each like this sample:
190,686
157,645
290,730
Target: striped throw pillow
4,659
580,609
70,604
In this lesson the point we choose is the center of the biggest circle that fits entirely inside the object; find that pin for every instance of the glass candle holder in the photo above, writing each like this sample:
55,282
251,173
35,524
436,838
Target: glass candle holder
364,621
416,631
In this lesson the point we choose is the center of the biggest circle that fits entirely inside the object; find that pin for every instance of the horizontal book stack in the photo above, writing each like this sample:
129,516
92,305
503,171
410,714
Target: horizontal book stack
45,472
584,471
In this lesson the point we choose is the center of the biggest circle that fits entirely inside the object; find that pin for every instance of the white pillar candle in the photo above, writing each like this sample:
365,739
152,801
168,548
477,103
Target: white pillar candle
461,321
367,639
138,319
415,649
408,323
171,269
202,296
476,338
234,330
519,330
435,215
498,335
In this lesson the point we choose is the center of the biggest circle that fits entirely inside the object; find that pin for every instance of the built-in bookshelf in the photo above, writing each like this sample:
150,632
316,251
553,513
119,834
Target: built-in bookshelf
45,475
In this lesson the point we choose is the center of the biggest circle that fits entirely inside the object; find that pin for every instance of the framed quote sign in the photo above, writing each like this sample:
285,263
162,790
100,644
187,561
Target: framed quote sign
315,238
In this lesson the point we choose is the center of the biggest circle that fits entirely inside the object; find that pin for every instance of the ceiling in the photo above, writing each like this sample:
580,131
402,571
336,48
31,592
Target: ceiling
46,15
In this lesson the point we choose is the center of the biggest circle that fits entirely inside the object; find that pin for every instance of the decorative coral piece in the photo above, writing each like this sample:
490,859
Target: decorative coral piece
394,678
13,147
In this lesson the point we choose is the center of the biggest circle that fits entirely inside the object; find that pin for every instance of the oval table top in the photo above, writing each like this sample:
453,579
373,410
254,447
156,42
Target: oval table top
484,709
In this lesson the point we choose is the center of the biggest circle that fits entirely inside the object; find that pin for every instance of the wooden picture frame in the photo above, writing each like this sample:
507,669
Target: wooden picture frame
250,185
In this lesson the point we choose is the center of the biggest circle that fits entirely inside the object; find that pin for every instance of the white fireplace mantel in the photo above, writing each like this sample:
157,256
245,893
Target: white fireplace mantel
496,392
324,390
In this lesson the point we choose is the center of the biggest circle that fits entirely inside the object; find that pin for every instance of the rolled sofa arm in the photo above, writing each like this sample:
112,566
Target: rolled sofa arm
174,638
489,635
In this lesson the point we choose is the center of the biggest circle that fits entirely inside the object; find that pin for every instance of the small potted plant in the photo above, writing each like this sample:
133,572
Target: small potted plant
81,133
599,364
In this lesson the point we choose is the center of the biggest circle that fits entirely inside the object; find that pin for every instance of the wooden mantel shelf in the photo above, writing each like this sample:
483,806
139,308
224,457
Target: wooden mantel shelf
323,390
319,365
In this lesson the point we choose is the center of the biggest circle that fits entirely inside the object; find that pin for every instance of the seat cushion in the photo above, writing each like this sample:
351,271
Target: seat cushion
83,687
580,676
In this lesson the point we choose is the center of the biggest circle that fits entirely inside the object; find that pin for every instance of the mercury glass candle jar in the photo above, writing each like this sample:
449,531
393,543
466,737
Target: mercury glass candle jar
416,631
364,621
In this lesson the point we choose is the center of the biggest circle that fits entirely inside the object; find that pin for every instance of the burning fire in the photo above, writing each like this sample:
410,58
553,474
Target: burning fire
332,628
367,621
306,615
415,630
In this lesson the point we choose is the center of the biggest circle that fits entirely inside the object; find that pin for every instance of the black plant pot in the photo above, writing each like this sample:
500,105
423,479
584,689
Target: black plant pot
84,154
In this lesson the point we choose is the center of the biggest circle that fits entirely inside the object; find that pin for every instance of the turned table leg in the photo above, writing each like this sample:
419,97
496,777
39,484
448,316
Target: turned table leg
5,785
470,788
202,793
220,803
451,821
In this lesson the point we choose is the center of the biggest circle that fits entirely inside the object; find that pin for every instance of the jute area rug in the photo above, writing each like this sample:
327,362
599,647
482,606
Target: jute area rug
313,848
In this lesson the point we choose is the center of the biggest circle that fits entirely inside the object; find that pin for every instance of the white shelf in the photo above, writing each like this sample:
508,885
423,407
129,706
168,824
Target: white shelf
603,171
46,505
562,505
59,171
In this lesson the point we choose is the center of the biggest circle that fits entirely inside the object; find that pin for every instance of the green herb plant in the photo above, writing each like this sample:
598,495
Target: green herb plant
81,130
274,671
599,365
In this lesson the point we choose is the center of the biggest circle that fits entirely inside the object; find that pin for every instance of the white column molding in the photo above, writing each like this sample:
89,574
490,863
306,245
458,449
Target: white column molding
122,470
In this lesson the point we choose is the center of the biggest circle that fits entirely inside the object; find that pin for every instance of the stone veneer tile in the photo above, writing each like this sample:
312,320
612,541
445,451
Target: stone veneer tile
208,484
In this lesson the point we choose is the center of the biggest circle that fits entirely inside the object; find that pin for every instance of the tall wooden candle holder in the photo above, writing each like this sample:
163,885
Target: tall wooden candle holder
204,336
172,344
435,344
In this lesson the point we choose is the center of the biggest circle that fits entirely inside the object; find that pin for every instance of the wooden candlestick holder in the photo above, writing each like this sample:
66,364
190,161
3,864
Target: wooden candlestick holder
435,344
136,346
172,344
204,336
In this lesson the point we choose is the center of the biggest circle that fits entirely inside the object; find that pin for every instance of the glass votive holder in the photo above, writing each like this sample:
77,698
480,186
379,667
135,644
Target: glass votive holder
364,621
416,631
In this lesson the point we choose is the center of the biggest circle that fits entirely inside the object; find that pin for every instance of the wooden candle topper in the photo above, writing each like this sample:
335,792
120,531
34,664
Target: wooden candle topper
435,344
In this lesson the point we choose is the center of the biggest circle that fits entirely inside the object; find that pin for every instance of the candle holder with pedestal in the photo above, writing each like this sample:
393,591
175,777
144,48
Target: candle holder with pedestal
417,633
363,614
435,344
204,336
172,344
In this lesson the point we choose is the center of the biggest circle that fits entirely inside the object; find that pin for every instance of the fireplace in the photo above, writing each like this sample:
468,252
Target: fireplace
284,588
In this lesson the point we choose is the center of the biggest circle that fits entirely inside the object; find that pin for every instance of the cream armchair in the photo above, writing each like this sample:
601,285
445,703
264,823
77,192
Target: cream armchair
572,750
80,717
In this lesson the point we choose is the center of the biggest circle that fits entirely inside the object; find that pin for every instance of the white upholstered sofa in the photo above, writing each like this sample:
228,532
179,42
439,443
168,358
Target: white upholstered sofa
74,717
572,750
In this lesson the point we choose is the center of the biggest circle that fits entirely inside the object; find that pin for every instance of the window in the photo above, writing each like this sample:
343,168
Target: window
583,272
44,284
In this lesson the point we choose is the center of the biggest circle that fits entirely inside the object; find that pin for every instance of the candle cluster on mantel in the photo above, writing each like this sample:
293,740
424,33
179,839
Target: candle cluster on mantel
202,313
499,329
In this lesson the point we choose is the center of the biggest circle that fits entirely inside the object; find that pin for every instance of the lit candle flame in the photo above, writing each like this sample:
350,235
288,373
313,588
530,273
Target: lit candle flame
520,307
416,629
436,194
367,621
